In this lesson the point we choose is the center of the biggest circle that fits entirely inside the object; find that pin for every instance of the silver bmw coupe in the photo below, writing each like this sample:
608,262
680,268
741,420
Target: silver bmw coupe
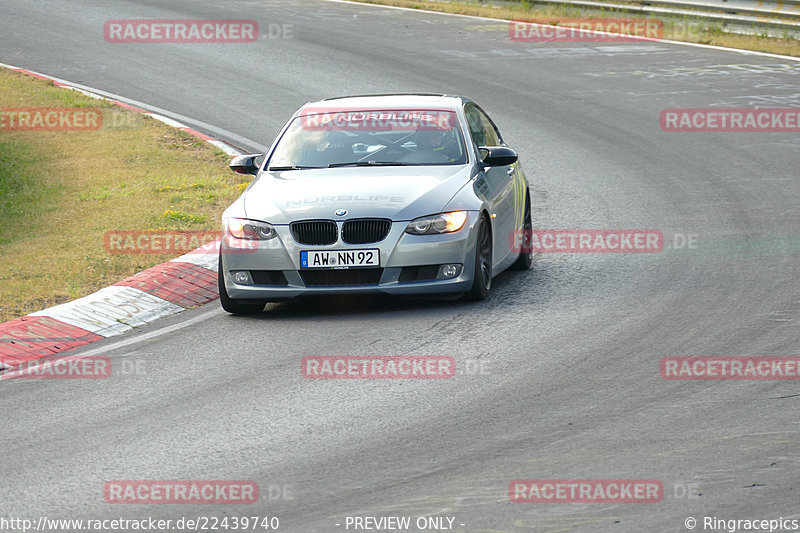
395,194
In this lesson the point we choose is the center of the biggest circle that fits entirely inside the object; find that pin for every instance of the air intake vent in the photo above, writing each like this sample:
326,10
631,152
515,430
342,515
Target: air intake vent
418,273
350,276
268,277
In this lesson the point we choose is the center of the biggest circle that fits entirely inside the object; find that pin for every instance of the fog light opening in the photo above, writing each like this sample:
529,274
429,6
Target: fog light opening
449,271
242,277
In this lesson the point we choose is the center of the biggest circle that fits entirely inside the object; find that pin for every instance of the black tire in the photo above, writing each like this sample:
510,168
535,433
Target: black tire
525,259
233,306
482,281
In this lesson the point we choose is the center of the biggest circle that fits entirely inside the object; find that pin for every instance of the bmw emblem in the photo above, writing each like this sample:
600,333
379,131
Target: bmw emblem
340,212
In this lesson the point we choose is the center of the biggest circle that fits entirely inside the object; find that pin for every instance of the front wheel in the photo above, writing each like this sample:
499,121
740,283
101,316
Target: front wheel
233,306
482,278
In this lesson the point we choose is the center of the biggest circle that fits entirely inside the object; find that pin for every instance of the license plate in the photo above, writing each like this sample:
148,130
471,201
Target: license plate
340,258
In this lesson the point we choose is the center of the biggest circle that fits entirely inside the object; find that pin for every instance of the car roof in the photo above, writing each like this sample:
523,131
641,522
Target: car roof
365,102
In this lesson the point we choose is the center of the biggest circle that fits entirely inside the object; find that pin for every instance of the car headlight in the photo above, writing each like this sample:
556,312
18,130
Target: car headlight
251,229
441,223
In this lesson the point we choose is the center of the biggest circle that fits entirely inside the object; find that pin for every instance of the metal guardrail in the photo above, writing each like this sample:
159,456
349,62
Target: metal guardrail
789,8
783,15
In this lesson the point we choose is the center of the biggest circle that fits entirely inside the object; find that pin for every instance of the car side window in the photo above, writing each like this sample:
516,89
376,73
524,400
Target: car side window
491,136
475,122
480,127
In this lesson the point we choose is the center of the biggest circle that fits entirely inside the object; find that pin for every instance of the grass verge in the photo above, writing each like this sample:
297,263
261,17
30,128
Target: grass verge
674,28
61,191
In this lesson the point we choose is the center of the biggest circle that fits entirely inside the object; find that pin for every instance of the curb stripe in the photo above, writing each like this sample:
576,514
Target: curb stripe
112,310
184,284
205,260
32,337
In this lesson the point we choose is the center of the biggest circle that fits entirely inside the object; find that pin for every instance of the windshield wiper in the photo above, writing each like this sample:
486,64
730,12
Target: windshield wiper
373,164
291,167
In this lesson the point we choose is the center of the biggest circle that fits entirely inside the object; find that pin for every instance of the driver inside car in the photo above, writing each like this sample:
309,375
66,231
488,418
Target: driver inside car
435,141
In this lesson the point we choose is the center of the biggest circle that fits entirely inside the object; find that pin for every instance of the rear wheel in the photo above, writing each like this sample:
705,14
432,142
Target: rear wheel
482,279
233,306
525,258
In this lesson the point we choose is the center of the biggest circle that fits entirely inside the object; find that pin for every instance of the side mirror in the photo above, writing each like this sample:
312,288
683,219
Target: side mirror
246,164
497,156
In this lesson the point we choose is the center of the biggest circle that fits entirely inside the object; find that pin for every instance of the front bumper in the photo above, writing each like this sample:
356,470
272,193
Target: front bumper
277,275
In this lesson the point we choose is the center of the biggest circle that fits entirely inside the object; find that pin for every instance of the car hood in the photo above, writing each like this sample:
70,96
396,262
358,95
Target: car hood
397,193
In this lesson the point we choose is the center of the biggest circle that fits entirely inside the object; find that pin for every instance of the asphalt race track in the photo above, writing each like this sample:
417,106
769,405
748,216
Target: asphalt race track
567,354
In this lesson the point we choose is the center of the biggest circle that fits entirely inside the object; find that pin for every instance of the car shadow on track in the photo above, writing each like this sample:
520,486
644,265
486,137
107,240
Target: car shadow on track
508,290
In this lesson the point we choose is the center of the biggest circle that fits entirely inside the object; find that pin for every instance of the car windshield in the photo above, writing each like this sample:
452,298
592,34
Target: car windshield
324,139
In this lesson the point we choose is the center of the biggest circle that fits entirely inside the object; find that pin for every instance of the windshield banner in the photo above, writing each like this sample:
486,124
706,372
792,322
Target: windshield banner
399,120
